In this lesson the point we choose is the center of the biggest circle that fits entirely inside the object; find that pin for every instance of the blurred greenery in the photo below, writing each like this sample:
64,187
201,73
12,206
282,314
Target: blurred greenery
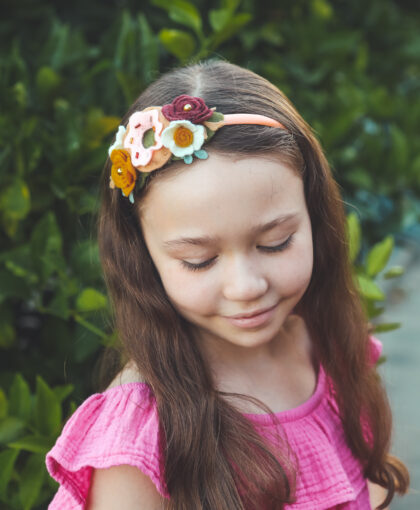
68,71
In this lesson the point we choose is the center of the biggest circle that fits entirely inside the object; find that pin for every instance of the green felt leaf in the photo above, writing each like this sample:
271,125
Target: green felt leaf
216,117
384,328
149,138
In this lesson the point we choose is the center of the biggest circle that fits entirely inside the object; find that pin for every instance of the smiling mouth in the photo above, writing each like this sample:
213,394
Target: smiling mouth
251,314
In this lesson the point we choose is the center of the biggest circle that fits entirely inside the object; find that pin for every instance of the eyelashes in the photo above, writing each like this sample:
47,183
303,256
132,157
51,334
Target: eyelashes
268,249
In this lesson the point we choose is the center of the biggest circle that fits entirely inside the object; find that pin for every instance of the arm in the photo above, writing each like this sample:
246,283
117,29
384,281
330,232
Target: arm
377,495
123,487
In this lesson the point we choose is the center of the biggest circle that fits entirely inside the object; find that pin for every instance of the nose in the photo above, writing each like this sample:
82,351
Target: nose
244,280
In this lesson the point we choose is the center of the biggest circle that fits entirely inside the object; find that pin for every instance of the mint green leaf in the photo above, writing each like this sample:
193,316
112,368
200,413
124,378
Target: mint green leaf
91,299
378,256
10,429
7,462
32,478
201,154
369,289
33,443
47,409
20,398
354,236
177,42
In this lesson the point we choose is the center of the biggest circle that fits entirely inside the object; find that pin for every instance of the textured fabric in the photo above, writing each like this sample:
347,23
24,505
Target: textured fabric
120,426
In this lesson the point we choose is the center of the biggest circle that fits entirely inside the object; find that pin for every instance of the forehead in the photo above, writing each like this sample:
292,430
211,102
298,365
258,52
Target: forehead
221,196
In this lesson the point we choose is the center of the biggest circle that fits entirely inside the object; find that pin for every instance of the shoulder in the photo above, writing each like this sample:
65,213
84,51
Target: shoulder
115,428
129,374
122,487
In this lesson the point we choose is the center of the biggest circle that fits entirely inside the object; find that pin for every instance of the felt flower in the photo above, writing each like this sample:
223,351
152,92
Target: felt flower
189,108
183,138
123,174
143,138
118,144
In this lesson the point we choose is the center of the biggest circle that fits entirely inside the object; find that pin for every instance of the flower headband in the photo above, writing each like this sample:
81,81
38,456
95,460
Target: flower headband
175,131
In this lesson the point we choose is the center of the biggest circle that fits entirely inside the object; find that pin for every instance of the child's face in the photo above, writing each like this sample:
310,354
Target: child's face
204,228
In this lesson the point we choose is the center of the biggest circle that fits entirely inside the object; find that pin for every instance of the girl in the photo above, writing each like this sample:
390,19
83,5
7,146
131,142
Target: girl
249,377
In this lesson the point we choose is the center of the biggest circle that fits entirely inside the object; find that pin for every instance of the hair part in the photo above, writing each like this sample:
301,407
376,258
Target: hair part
214,458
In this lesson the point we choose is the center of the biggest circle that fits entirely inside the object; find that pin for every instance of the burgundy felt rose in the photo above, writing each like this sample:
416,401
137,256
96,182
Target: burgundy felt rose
189,108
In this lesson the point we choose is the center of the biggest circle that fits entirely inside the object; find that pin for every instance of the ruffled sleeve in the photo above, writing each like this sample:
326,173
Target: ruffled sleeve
375,349
119,426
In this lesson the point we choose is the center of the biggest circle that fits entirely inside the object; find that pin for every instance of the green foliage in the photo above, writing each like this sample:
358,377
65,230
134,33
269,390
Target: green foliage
29,425
66,77
368,270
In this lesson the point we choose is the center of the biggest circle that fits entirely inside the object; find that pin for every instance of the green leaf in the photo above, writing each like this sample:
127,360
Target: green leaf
379,255
182,12
218,18
10,429
7,462
216,117
186,14
46,244
4,405
178,42
20,398
354,235
229,30
390,326
32,478
394,272
369,289
91,299
47,82
63,392
47,409
15,201
33,443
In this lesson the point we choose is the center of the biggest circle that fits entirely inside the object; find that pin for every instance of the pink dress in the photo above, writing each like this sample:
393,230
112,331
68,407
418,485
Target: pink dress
120,426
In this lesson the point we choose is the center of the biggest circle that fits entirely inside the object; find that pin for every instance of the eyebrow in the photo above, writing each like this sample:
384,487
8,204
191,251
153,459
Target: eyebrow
206,240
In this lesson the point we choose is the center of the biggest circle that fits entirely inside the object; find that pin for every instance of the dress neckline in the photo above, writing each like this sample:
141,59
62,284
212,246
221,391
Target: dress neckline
287,415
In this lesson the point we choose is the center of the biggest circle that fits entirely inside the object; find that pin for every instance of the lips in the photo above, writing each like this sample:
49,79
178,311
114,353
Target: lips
251,320
250,314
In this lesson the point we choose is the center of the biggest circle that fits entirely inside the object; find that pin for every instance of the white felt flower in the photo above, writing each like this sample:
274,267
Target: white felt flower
118,144
182,137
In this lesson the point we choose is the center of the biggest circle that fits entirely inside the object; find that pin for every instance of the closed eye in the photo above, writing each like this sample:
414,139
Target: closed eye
269,249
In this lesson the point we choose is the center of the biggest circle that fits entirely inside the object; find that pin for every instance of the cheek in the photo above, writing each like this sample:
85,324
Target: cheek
193,292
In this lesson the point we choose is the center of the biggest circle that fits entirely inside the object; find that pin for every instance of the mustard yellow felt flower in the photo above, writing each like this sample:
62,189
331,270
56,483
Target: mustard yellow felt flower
123,173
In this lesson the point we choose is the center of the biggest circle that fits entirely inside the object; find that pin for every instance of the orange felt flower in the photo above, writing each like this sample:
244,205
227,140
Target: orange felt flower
183,137
123,173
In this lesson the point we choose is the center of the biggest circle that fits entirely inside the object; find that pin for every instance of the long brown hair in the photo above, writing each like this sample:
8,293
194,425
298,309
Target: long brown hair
213,457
